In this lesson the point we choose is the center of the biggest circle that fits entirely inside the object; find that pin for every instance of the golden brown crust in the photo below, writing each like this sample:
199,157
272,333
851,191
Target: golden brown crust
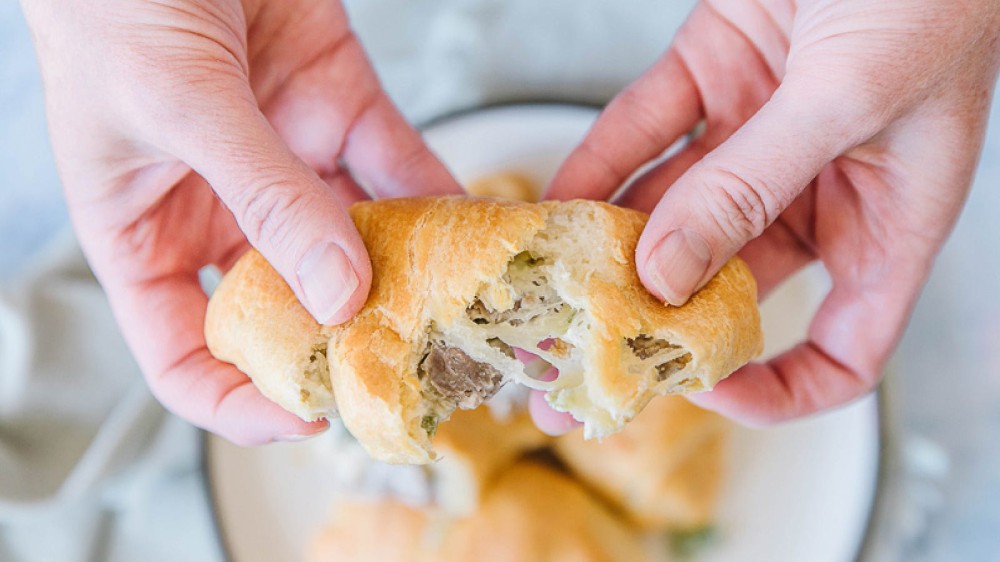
663,470
719,326
506,185
430,258
535,514
255,322
475,448
383,531
532,514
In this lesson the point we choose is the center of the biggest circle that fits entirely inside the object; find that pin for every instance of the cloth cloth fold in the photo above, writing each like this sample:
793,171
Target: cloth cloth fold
93,468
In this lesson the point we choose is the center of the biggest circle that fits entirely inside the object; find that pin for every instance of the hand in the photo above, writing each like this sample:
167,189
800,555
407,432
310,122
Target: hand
185,129
840,130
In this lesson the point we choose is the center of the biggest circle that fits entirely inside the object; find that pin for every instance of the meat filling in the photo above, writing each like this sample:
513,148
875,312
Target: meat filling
458,378
645,346
664,370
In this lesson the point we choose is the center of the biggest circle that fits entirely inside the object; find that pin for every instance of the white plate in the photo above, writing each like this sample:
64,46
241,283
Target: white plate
802,491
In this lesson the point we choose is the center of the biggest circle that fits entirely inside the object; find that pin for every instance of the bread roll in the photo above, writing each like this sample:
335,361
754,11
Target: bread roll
475,448
535,514
457,283
532,514
664,470
372,531
507,185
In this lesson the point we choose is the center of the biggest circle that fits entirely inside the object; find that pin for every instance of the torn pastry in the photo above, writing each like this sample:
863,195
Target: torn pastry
458,282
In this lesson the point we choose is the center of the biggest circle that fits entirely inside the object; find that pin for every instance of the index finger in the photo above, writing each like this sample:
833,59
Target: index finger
849,341
637,126
163,321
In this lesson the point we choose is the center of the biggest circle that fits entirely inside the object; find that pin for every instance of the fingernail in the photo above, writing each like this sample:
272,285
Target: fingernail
677,264
296,438
327,279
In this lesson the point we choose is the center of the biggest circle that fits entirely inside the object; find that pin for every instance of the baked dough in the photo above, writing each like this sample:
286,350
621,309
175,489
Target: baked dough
372,531
535,514
506,185
532,514
664,470
459,281
475,448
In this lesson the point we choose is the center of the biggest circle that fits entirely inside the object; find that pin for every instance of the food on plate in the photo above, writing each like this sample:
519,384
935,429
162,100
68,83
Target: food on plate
532,513
533,497
663,470
475,448
458,283
372,530
505,185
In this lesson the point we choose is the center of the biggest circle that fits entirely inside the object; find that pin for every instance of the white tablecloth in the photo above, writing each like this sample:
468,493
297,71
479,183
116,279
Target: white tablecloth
91,468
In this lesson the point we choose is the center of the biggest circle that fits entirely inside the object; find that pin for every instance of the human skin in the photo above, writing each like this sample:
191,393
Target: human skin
845,131
186,131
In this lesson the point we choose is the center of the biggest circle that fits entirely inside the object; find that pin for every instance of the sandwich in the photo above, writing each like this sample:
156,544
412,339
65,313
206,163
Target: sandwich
458,284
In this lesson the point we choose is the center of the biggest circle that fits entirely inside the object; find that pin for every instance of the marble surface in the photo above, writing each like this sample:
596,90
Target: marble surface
943,481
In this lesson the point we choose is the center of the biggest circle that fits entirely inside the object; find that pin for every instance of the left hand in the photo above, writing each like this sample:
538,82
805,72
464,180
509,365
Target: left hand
186,131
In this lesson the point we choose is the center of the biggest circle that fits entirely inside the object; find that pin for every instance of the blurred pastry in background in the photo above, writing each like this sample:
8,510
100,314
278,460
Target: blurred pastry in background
506,185
371,531
475,448
537,514
502,490
663,470
532,514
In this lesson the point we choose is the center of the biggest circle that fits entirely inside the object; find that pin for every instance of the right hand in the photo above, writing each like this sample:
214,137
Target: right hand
187,130
844,131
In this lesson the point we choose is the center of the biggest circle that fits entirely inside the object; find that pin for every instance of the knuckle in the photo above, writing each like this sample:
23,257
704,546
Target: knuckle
642,114
740,207
596,158
267,213
414,162
854,104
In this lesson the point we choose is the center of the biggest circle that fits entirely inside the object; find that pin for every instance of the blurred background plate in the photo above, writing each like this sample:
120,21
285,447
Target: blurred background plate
801,491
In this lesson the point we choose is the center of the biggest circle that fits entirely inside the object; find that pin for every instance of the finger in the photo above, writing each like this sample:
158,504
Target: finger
546,419
798,382
337,110
849,342
740,188
638,125
785,247
385,152
181,372
290,214
647,190
781,250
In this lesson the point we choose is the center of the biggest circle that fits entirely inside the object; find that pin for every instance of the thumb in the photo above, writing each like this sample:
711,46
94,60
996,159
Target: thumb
291,215
736,191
